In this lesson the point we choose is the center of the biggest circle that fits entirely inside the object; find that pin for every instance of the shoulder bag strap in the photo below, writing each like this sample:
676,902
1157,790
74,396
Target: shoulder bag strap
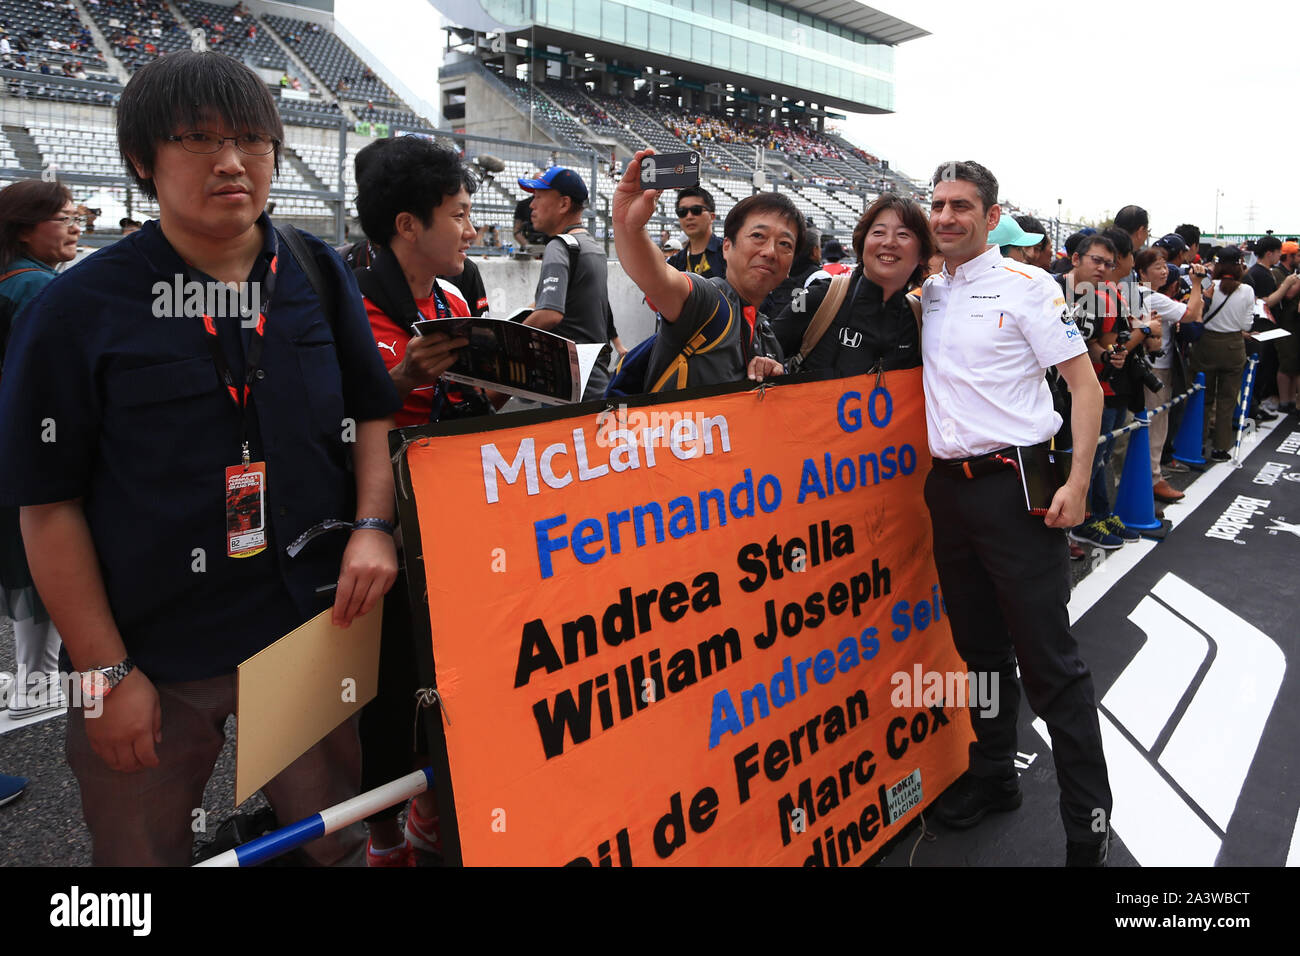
307,262
9,275
824,315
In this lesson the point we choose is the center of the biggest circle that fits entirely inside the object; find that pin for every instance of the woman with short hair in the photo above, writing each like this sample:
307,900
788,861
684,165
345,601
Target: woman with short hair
39,227
876,325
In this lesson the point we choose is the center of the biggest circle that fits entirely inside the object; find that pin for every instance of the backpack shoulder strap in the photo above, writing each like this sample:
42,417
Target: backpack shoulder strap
572,245
307,262
824,315
914,300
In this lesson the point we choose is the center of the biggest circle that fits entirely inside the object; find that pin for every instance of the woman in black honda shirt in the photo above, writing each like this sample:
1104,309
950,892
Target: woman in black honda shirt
876,326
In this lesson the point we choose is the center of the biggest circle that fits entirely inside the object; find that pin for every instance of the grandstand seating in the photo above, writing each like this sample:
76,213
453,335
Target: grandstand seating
139,29
570,131
331,60
33,27
38,88
260,51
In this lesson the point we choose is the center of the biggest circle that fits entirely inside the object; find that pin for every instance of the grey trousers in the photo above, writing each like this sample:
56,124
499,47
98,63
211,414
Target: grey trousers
149,818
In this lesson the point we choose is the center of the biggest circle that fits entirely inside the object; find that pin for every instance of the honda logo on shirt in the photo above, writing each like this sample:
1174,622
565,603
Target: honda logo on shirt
850,339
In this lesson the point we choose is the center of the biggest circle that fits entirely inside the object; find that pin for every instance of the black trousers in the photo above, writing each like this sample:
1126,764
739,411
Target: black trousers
391,746
1006,581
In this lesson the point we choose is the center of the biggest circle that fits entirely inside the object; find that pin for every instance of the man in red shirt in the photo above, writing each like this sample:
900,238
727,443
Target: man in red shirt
413,201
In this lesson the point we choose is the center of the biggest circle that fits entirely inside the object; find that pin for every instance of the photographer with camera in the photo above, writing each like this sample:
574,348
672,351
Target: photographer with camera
1117,356
1155,276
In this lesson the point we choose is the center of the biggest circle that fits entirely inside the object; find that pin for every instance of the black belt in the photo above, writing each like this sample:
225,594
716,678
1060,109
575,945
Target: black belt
978,466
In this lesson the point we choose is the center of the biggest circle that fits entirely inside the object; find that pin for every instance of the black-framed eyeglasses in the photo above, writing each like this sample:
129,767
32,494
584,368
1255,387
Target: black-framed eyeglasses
66,220
685,211
199,141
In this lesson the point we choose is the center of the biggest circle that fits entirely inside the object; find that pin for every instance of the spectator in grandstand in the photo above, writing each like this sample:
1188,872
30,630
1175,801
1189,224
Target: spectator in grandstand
413,200
877,325
1287,315
116,515
491,238
760,236
1002,569
671,248
38,231
1041,254
573,289
128,226
1134,221
703,252
1154,274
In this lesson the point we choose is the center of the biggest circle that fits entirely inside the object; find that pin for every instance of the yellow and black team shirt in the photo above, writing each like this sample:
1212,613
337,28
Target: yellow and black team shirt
709,263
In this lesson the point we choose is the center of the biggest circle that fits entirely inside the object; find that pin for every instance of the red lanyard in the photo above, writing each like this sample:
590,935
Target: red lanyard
253,354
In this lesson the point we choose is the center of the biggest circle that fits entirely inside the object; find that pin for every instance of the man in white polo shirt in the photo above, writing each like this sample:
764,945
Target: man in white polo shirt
990,327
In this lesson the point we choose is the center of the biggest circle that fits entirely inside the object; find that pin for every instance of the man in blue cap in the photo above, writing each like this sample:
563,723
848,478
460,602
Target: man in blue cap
572,291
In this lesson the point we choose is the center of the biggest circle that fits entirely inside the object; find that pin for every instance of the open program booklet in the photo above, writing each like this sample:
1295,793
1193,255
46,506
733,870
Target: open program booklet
517,359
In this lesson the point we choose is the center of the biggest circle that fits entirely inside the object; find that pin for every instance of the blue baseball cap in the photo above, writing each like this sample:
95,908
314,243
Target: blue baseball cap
560,178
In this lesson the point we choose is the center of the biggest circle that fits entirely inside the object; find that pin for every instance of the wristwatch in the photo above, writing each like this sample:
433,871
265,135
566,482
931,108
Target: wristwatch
98,681
1145,330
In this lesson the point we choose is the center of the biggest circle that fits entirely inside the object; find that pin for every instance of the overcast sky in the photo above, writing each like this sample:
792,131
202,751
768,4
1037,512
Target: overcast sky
1098,103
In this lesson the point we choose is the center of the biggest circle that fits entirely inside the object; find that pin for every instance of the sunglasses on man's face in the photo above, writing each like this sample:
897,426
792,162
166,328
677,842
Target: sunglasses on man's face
685,211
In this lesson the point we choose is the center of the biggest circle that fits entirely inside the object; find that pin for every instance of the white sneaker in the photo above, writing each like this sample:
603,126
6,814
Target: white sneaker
40,699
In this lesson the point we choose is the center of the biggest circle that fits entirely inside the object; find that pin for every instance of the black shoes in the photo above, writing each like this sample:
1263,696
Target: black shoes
971,798
1220,455
1087,854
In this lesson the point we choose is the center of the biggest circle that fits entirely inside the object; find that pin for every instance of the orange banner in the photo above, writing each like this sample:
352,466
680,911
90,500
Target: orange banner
696,631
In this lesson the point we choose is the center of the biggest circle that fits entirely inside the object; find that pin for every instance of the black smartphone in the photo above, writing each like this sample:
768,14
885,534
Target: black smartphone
670,171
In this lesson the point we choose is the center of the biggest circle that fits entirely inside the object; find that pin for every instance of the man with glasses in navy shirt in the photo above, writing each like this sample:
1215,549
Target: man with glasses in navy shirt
171,448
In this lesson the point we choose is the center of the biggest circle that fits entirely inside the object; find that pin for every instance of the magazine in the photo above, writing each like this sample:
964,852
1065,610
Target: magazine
516,359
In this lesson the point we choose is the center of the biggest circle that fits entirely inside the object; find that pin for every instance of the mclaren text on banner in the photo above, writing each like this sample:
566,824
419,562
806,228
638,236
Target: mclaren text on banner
702,630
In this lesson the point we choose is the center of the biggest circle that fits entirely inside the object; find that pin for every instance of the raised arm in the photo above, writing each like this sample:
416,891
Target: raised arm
664,286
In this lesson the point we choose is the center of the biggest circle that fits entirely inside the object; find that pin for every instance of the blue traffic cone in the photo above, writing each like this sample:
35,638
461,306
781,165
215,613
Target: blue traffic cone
1189,443
1135,502
1247,393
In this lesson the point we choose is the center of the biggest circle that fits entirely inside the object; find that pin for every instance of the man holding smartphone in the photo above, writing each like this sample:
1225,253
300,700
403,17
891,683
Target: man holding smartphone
762,233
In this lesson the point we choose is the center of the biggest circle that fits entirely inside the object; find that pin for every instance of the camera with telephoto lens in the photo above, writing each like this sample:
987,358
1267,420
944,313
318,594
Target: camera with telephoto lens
1137,368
